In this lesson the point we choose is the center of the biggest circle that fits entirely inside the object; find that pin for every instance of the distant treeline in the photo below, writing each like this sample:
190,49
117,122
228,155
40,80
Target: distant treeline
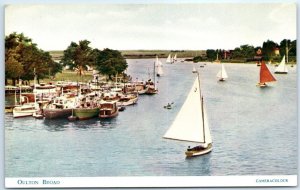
269,51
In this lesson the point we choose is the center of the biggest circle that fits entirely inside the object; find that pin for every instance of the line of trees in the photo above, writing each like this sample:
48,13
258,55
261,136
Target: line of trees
247,52
22,57
81,56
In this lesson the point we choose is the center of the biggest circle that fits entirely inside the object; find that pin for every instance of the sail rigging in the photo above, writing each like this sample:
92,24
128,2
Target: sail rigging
191,123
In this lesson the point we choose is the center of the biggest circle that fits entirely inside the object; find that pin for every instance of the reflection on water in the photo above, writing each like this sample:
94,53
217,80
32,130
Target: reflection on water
245,122
56,125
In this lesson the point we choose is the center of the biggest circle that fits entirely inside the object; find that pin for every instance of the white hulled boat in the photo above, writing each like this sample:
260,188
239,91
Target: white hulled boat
222,74
282,68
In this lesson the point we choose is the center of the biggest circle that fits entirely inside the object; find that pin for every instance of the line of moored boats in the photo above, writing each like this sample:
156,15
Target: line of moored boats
77,100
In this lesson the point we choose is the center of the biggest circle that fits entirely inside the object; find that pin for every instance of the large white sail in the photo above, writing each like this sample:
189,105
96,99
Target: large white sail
222,73
282,68
169,59
188,124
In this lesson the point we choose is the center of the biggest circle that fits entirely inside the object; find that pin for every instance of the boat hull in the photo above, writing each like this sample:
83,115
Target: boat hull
103,114
17,114
193,153
86,113
57,113
262,85
128,103
279,72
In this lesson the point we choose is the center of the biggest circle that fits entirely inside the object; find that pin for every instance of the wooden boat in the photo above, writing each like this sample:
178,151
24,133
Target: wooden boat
265,76
108,109
282,68
222,74
61,107
169,105
191,123
24,110
86,113
151,89
127,100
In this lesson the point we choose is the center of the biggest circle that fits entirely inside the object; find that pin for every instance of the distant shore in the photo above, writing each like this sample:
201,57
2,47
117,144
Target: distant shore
186,55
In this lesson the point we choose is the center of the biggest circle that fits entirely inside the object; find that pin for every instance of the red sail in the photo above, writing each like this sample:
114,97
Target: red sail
265,74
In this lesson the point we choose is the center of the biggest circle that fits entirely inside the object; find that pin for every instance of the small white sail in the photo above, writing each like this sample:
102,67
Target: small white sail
158,65
188,124
160,71
222,73
169,59
175,57
194,69
282,68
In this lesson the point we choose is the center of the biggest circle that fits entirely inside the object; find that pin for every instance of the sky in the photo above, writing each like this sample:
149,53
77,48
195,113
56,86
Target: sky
165,26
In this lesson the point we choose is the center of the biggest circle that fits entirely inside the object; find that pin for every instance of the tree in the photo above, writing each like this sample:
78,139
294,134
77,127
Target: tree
22,57
244,52
211,54
268,49
110,62
77,56
13,68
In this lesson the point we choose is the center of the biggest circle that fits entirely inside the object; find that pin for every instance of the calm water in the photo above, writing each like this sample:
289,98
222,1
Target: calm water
254,131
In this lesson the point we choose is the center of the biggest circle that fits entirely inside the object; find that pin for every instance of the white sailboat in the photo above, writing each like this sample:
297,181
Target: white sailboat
158,65
282,68
191,123
222,74
175,58
169,59
194,70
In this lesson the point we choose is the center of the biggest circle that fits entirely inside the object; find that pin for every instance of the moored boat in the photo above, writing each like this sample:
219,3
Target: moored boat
61,107
86,113
127,100
24,110
108,109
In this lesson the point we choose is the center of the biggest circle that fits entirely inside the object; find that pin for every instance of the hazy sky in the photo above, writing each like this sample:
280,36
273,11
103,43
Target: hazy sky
153,26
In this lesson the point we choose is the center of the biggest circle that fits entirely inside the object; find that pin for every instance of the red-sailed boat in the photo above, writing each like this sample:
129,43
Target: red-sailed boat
265,75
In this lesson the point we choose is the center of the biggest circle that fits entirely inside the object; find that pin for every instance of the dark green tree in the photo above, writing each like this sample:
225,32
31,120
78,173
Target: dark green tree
22,57
211,54
268,49
77,56
110,62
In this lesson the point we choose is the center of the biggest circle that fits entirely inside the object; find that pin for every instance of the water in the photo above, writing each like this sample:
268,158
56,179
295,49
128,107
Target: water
254,131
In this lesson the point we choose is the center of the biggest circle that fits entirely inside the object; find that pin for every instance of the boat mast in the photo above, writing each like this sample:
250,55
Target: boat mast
154,74
202,112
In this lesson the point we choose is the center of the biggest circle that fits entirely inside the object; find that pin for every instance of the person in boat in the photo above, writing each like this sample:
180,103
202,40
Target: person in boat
197,148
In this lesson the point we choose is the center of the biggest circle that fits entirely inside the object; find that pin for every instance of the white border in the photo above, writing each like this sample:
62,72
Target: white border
178,181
